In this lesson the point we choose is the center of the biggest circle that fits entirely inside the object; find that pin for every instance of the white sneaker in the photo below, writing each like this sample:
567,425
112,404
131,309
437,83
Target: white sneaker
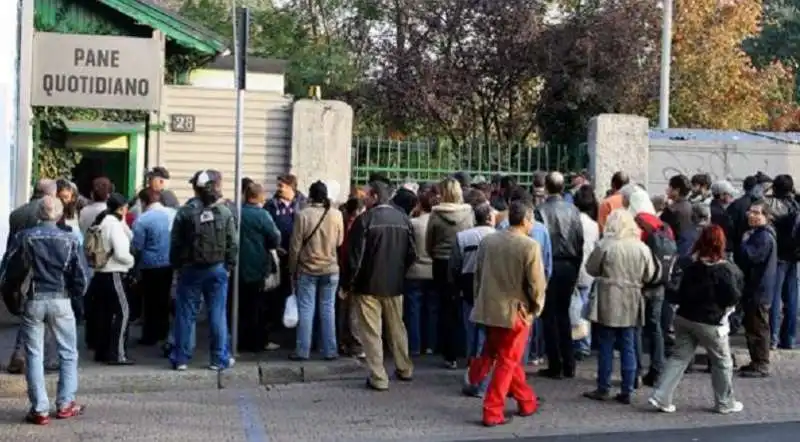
733,408
182,367
661,407
272,347
231,363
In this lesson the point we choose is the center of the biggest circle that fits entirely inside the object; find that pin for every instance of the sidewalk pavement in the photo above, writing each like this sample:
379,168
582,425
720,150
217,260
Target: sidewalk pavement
429,409
152,371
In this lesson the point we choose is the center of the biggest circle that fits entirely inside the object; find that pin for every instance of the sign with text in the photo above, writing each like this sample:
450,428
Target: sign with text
91,71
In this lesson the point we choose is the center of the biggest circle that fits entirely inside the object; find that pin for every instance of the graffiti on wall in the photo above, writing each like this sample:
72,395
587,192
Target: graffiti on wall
723,162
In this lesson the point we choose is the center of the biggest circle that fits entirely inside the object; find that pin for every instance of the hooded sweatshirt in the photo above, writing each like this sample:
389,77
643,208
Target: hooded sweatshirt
447,219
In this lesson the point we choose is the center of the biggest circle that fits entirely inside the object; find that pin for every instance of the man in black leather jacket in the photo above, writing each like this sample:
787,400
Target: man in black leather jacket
563,222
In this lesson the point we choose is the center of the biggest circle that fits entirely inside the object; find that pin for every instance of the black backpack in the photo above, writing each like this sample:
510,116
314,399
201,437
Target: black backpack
209,233
665,256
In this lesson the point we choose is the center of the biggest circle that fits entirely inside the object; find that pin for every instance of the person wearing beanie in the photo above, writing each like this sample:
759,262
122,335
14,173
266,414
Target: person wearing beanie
405,200
463,178
110,312
313,263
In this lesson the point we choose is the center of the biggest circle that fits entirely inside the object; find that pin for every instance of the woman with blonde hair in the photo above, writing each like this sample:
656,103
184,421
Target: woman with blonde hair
621,264
448,218
658,313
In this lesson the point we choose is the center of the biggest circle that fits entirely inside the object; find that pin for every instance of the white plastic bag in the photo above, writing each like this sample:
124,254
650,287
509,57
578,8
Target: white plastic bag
580,326
290,313
273,280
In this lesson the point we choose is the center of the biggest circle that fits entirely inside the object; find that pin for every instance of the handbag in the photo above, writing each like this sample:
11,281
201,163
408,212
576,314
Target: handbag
17,283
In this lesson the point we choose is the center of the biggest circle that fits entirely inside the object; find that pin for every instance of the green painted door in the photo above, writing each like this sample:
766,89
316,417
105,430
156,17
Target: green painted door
113,164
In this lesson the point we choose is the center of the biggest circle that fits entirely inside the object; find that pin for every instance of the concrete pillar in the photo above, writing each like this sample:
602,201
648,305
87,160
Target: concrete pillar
618,143
322,137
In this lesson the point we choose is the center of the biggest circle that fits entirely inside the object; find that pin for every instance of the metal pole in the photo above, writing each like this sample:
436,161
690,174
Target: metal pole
241,22
666,58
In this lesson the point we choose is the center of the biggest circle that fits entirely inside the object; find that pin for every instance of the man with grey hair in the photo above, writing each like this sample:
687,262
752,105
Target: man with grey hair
563,221
25,217
723,194
54,261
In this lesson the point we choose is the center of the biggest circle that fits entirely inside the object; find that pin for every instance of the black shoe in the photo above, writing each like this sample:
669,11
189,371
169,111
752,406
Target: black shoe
147,342
597,395
121,362
295,357
506,420
650,379
753,373
550,373
623,398
402,378
569,374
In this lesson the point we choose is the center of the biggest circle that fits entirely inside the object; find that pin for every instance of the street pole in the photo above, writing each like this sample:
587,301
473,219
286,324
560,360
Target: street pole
666,59
241,25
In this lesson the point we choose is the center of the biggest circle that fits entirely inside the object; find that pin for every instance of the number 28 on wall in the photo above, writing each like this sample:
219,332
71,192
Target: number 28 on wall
182,123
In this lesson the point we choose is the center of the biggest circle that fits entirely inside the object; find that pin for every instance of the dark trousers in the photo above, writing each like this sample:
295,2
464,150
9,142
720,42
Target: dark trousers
252,329
757,333
155,287
450,322
557,326
653,334
111,311
347,326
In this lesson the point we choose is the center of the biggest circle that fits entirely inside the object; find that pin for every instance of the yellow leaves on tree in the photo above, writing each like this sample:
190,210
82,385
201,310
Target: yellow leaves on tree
714,83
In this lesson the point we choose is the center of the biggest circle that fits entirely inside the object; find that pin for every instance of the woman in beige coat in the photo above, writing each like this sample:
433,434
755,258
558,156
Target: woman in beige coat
621,264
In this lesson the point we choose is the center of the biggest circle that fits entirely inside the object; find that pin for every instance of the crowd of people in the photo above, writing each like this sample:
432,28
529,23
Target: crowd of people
482,271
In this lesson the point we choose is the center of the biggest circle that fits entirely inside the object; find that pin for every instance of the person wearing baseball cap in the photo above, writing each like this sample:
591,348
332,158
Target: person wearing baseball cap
157,179
203,251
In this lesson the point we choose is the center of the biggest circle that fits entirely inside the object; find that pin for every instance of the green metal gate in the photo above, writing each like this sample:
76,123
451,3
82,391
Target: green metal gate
433,159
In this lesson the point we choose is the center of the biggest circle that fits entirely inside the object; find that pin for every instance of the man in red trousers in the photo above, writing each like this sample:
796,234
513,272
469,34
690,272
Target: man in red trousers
509,292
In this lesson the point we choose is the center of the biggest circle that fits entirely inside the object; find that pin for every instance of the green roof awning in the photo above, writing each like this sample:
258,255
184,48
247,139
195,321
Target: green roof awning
184,32
102,127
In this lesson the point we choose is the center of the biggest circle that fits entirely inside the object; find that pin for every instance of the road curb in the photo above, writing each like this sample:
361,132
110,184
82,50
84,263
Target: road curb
116,380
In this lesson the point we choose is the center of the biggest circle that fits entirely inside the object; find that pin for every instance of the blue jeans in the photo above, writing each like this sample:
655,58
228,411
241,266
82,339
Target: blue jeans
584,345
58,316
311,289
197,285
536,348
784,301
625,338
420,314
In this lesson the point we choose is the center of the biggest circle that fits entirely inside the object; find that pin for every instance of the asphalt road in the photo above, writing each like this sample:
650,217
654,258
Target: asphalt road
781,432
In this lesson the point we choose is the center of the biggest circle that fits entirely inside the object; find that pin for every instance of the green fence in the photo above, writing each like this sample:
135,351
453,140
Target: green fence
427,160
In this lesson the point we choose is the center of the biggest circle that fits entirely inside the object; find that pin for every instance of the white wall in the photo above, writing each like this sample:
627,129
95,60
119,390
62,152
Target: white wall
8,111
224,79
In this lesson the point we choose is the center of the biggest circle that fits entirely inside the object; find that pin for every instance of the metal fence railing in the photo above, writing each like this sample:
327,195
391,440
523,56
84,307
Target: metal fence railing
433,159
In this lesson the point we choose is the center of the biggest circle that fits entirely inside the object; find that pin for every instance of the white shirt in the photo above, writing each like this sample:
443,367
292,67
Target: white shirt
117,239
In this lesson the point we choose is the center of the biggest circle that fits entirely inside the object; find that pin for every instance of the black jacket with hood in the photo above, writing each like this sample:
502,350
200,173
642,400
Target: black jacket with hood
447,219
